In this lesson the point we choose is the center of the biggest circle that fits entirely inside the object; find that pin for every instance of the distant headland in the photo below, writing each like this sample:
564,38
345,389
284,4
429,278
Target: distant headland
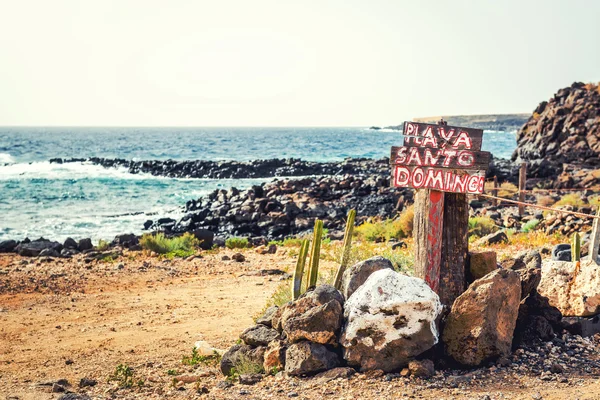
495,122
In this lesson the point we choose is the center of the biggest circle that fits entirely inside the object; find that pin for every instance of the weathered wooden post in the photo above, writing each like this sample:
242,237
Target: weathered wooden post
595,238
522,187
444,164
495,191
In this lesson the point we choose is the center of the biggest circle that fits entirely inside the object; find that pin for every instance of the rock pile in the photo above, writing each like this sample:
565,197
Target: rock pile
385,321
285,207
563,130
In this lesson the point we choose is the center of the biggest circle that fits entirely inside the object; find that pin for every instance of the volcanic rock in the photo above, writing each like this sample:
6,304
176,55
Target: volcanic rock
315,316
482,263
305,358
35,247
493,238
482,320
563,130
8,246
357,274
241,353
389,320
574,296
259,335
275,355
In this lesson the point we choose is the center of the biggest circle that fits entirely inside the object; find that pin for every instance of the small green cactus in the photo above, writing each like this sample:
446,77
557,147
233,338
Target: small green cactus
299,272
576,248
346,249
315,253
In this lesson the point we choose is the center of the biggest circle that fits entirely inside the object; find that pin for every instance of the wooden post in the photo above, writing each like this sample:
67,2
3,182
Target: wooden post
522,187
428,224
495,191
595,238
455,247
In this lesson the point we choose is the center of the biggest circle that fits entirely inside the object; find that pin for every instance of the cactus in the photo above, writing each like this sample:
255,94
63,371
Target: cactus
346,249
315,253
576,248
297,280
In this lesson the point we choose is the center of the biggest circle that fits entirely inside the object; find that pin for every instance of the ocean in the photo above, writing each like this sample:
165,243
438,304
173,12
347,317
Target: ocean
80,200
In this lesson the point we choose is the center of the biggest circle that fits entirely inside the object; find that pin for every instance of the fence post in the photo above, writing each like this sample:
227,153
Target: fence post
595,238
522,187
495,191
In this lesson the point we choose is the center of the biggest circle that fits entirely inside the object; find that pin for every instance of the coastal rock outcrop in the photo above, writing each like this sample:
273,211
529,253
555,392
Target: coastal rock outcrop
389,320
35,247
282,208
563,130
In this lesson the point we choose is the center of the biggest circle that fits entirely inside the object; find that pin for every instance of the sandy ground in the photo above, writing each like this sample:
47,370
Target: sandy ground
66,319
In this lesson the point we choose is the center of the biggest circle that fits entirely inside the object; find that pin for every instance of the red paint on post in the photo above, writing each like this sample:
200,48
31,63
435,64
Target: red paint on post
434,239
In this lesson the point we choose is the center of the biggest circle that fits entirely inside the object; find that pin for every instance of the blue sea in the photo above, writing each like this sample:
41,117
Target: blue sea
80,200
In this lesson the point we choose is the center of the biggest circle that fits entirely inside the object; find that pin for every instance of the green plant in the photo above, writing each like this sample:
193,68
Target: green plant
196,358
530,225
172,372
180,246
346,249
236,243
570,199
481,226
292,242
299,271
103,245
315,253
576,248
123,375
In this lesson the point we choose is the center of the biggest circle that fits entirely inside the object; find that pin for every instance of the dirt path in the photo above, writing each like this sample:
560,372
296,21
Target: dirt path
71,320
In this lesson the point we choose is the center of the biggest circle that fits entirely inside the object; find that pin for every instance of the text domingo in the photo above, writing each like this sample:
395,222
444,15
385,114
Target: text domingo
461,181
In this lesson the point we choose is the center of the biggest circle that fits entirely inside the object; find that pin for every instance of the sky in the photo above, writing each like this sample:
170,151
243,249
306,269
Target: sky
286,63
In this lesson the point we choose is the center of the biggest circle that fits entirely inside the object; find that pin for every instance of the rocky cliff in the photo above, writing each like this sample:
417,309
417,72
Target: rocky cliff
562,133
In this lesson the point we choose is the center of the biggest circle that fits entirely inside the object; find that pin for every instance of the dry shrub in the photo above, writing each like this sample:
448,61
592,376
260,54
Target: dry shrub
545,201
406,220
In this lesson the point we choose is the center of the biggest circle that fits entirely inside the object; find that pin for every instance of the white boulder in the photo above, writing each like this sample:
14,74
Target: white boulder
389,320
579,297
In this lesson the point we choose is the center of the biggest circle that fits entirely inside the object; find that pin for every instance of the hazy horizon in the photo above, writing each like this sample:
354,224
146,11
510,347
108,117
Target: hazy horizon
330,63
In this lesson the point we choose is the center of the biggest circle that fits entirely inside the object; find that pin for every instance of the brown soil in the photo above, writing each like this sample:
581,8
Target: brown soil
65,319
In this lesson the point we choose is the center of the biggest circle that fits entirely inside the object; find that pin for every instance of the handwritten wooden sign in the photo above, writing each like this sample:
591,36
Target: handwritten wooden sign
444,158
442,136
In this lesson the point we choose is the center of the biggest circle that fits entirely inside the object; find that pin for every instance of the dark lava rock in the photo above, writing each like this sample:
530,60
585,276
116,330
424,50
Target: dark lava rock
305,358
250,379
85,382
239,257
35,247
8,246
583,326
259,335
561,252
70,244
205,237
493,238
49,253
85,244
266,318
241,353
126,240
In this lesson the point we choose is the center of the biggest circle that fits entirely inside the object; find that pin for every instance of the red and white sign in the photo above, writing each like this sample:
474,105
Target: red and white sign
440,158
